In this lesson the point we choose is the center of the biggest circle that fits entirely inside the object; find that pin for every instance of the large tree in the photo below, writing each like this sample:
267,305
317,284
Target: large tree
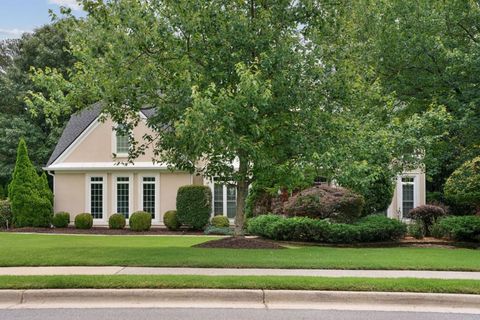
244,90
425,53
45,47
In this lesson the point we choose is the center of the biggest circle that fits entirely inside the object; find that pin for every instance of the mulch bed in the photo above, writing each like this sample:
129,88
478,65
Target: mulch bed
239,243
104,231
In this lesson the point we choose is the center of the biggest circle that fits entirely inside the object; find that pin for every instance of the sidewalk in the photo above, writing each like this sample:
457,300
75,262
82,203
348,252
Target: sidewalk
113,270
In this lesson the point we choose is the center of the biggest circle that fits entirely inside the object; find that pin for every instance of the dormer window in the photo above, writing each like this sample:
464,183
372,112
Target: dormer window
122,143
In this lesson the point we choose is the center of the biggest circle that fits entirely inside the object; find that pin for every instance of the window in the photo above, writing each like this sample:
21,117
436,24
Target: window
408,196
218,199
231,201
96,197
224,199
148,195
123,196
122,142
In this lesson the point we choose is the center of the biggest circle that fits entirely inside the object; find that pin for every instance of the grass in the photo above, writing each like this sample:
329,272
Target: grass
242,282
71,250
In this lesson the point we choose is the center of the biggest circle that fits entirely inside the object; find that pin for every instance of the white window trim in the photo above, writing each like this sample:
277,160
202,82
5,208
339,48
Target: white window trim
416,192
114,143
88,196
158,218
130,192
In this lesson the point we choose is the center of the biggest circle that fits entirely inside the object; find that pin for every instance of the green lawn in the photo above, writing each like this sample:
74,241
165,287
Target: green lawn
60,250
242,282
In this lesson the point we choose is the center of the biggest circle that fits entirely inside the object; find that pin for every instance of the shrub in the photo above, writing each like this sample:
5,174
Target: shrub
369,229
171,221
5,214
426,216
416,230
140,221
31,206
323,201
117,221
61,219
380,228
220,222
83,221
218,230
262,225
194,204
461,228
377,191
463,186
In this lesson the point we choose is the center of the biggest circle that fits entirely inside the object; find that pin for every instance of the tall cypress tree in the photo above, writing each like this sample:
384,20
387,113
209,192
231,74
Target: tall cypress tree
44,188
30,206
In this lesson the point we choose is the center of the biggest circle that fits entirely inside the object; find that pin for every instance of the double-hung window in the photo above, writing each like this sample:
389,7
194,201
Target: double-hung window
96,196
148,195
408,196
122,143
224,199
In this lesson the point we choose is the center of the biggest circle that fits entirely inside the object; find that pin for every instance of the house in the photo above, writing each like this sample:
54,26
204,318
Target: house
87,177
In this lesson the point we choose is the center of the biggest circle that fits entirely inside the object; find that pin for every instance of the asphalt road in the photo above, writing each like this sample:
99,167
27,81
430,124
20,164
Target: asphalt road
220,314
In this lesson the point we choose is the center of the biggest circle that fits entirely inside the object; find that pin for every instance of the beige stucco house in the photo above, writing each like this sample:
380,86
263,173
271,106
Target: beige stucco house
87,177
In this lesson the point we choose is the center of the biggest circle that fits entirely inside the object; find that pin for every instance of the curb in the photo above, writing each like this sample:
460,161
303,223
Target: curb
280,298
236,298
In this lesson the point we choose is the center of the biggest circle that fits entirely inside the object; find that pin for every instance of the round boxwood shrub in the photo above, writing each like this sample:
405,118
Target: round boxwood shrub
337,204
170,220
116,221
83,221
61,219
194,205
463,186
426,215
220,221
140,221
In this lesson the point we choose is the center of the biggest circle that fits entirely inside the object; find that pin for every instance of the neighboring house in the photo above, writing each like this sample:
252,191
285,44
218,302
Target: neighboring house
87,177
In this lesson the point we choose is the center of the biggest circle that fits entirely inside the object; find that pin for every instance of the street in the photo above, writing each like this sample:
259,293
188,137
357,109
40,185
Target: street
221,314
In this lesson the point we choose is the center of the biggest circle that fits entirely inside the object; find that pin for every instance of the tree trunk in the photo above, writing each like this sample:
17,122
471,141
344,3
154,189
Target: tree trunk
242,192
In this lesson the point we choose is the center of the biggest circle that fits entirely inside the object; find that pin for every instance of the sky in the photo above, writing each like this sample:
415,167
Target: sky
19,16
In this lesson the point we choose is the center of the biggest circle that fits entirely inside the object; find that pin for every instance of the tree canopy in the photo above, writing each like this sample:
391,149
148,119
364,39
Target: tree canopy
266,91
45,47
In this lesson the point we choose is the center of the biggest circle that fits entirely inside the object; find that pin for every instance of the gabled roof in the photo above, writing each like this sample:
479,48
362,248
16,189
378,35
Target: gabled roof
77,124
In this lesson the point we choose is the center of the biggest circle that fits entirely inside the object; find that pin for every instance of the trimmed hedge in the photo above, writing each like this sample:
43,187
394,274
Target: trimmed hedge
170,220
140,221
83,221
369,229
461,228
194,205
220,221
117,221
61,219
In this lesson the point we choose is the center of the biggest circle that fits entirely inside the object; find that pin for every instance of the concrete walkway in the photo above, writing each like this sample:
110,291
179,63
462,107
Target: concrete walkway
112,270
